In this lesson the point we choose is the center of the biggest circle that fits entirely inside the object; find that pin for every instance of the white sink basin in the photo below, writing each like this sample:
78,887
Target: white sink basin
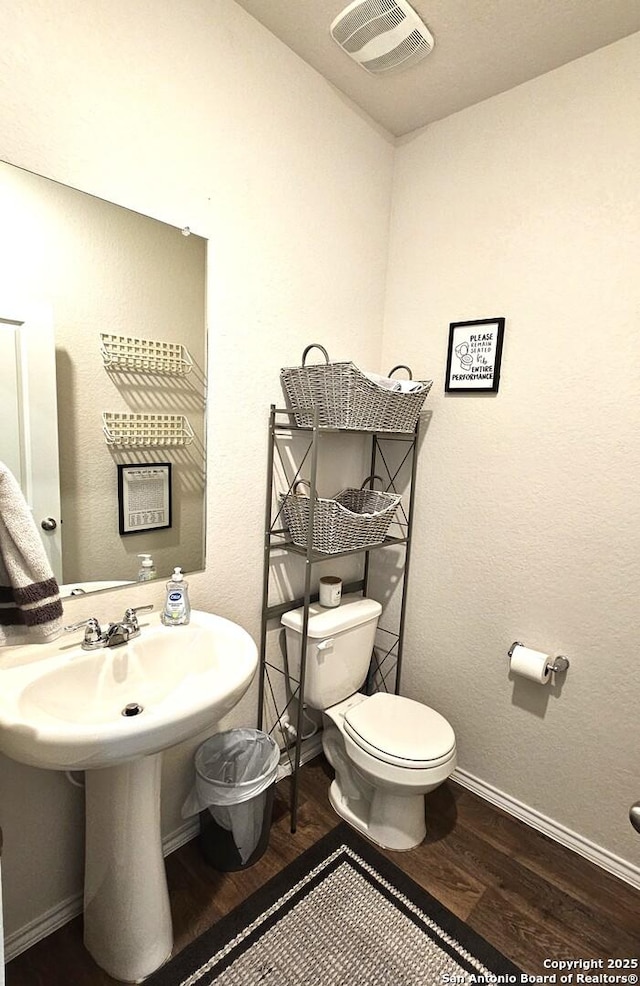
61,708
64,711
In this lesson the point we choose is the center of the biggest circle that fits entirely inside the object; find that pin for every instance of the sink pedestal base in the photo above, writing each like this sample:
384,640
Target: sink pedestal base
127,919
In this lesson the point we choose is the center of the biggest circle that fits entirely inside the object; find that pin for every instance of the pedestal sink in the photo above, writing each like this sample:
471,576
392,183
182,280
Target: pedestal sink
111,712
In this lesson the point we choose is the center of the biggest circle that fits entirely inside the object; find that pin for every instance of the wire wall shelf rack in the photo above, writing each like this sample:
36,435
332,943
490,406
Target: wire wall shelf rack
131,354
124,430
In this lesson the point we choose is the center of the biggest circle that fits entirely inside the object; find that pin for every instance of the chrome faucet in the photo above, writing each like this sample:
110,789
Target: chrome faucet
93,636
115,634
120,633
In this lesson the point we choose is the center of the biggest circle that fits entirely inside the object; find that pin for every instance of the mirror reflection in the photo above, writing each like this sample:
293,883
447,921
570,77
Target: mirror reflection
102,381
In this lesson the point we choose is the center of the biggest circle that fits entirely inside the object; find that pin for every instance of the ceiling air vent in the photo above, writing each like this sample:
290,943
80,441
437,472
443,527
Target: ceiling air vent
382,35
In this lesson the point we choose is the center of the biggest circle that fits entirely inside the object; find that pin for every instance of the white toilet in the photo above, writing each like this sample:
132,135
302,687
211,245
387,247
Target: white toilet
387,751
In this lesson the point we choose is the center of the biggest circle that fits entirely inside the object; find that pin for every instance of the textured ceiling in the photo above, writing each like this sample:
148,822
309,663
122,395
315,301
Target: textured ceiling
482,47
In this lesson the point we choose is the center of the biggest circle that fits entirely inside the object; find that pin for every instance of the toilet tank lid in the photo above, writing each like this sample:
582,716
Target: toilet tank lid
353,611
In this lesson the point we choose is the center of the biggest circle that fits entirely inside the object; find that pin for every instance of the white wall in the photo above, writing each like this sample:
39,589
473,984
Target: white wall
528,206
194,114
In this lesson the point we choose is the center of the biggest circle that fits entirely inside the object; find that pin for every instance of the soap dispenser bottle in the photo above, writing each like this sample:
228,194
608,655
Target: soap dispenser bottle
177,609
147,569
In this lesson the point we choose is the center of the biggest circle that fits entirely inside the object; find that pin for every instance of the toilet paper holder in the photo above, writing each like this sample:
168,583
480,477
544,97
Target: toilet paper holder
556,664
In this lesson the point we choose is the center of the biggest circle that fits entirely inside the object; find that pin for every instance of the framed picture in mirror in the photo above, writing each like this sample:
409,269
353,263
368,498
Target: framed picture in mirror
144,497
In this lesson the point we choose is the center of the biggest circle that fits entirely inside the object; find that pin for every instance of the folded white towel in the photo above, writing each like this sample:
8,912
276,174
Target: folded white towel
410,386
390,383
387,382
30,606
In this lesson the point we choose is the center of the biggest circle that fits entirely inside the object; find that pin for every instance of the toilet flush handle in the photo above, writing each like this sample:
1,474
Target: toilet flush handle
326,644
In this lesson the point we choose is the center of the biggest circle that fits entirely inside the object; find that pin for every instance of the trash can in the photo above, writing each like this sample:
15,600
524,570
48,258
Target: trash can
233,792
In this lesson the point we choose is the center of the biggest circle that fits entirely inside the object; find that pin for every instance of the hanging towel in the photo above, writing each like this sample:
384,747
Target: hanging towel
30,606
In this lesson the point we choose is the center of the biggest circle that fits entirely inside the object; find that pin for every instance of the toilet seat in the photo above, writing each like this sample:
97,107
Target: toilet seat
401,732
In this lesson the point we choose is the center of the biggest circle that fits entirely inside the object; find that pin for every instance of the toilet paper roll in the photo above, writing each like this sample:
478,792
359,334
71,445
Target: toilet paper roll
531,664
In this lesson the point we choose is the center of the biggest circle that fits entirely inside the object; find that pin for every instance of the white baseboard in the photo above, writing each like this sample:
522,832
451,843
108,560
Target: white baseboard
309,749
180,836
58,915
559,833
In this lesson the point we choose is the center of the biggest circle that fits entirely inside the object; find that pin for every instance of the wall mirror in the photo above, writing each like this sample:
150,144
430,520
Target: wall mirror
102,378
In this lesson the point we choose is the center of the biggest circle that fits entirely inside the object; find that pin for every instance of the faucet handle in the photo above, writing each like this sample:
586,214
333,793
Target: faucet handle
92,634
131,617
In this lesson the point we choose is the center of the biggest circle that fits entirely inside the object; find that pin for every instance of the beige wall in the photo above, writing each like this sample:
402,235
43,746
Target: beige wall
528,206
522,206
195,115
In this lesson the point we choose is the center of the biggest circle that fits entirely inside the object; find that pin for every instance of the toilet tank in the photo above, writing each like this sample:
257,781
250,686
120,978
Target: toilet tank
339,647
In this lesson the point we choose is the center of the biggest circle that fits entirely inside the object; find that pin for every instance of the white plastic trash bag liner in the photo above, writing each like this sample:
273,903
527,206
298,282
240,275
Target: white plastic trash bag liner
233,771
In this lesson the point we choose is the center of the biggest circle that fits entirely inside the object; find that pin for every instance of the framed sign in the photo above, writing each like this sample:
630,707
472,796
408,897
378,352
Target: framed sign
144,497
475,351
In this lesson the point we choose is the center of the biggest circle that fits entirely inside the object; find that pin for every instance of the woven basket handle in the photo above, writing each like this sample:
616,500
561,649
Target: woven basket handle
315,345
302,482
370,480
401,366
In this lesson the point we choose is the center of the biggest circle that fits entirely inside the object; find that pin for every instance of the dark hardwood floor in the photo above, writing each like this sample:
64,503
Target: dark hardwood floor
528,896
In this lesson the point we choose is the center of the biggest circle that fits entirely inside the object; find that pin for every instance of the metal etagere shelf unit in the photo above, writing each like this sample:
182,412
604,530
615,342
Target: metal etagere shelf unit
394,459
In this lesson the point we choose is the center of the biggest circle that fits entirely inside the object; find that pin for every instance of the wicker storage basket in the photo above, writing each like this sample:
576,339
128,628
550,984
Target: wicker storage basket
353,519
346,398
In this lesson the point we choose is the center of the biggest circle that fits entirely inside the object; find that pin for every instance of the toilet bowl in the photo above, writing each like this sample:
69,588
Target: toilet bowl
387,751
